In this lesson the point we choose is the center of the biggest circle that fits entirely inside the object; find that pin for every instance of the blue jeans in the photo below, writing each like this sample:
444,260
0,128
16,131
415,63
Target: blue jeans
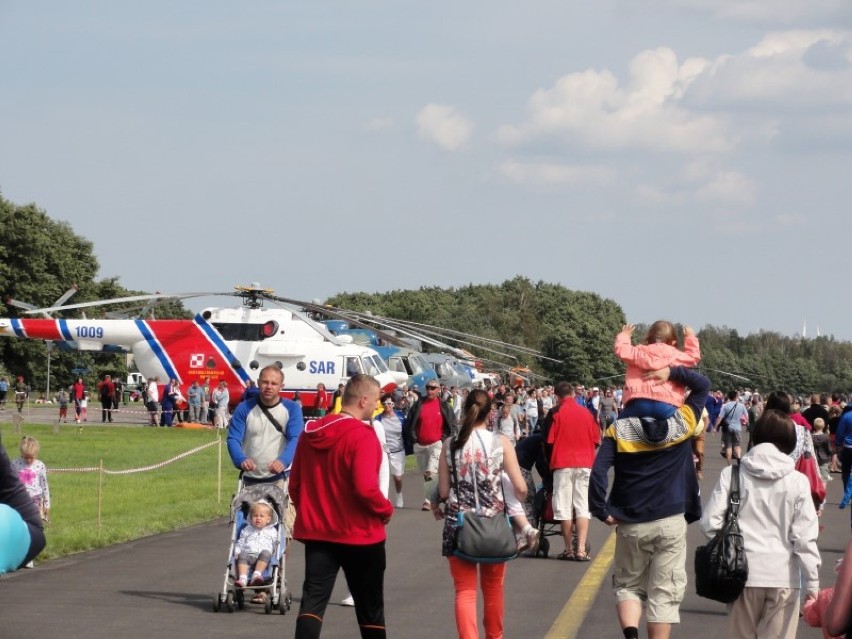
641,407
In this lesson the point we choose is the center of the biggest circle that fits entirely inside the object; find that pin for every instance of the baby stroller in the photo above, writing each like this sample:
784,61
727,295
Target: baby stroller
274,582
547,525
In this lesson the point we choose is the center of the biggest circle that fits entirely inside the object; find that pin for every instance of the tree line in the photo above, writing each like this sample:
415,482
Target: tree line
578,328
40,258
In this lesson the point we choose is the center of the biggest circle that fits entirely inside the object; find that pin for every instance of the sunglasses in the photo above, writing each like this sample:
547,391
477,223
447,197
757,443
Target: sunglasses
431,388
388,403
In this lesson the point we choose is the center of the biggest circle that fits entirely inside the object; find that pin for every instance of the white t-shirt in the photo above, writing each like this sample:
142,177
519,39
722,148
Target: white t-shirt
384,469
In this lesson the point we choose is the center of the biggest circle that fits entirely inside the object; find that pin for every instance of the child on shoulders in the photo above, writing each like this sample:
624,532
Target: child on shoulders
648,398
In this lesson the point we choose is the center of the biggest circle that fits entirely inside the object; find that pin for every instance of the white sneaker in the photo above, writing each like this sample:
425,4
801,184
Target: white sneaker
29,565
398,503
348,601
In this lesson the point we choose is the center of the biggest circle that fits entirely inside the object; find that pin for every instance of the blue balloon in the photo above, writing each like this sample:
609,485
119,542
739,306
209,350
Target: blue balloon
14,539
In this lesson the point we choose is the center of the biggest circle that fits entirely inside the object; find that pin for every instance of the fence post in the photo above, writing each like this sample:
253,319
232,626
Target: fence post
17,420
219,472
100,492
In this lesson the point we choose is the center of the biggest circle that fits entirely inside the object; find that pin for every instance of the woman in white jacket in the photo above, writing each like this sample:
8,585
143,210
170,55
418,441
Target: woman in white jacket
779,526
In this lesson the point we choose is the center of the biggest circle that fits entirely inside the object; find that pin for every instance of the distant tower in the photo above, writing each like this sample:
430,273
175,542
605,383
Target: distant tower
804,329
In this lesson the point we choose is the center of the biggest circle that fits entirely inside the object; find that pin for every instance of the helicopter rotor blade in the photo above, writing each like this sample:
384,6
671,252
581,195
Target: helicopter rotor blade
433,338
19,304
66,295
129,298
444,333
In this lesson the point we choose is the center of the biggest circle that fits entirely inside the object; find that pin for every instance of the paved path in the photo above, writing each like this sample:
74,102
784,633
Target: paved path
163,586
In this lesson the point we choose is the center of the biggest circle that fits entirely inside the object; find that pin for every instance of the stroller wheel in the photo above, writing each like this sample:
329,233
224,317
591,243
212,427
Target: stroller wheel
267,605
284,602
240,598
543,548
217,602
229,602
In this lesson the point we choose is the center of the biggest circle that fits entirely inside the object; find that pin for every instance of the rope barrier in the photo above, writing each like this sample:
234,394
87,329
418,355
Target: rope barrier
143,469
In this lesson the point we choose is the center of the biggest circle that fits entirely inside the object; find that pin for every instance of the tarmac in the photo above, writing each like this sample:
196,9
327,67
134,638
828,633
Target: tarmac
164,586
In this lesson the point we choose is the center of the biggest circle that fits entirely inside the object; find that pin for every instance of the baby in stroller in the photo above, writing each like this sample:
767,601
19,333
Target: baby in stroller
256,554
256,545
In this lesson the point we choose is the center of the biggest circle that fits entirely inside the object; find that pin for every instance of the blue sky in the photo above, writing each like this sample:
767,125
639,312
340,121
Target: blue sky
689,159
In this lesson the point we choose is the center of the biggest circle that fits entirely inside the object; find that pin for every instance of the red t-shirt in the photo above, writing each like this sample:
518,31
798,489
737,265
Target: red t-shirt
574,435
322,399
431,426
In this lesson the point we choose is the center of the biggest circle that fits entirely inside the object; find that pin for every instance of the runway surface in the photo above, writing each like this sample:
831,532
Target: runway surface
163,586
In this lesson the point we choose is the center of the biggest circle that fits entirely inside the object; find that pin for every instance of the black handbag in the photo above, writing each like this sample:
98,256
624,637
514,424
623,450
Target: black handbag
480,538
721,566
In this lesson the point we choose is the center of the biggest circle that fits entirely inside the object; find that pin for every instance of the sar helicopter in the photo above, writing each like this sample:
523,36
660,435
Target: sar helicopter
219,344
405,363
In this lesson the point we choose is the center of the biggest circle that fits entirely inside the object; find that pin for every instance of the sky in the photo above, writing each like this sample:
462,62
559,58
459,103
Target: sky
689,159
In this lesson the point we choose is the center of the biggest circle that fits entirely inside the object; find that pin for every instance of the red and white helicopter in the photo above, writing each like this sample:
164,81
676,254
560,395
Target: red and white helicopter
218,344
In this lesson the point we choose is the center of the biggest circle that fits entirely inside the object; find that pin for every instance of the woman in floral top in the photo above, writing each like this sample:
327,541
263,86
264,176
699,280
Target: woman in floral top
481,456
33,475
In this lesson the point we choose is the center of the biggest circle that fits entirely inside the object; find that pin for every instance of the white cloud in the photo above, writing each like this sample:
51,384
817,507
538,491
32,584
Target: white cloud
551,173
784,71
444,126
698,106
703,182
729,187
772,11
590,108
653,195
379,124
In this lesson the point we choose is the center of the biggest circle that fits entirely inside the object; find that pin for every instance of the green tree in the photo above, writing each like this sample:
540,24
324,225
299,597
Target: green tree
41,258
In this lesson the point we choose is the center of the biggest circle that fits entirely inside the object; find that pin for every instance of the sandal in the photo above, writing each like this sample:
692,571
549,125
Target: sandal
259,598
582,557
565,556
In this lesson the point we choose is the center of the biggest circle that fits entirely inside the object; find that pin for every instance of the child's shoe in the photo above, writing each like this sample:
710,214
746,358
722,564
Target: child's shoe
257,579
241,581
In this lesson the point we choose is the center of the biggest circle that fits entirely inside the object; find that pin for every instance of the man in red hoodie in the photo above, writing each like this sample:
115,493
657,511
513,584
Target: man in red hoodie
334,484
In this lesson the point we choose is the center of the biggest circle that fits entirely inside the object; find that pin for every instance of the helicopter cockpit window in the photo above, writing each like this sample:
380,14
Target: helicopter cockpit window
445,370
416,365
353,366
243,332
396,365
380,363
370,366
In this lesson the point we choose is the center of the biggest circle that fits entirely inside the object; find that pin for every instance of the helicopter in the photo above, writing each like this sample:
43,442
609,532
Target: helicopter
218,344
406,364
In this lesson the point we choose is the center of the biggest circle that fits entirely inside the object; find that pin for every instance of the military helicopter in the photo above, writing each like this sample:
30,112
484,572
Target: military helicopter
218,344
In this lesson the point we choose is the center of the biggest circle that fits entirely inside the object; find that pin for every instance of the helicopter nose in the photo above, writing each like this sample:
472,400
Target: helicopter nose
389,387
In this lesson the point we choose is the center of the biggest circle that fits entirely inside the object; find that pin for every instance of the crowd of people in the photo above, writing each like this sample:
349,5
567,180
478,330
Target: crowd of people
630,456
476,451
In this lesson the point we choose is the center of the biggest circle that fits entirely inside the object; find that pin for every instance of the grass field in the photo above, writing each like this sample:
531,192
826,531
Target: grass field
132,505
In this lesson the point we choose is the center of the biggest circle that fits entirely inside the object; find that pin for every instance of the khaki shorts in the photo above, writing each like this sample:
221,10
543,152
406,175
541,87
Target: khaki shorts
650,566
428,456
571,493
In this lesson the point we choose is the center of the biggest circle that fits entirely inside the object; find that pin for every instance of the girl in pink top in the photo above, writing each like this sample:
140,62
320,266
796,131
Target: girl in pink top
646,397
